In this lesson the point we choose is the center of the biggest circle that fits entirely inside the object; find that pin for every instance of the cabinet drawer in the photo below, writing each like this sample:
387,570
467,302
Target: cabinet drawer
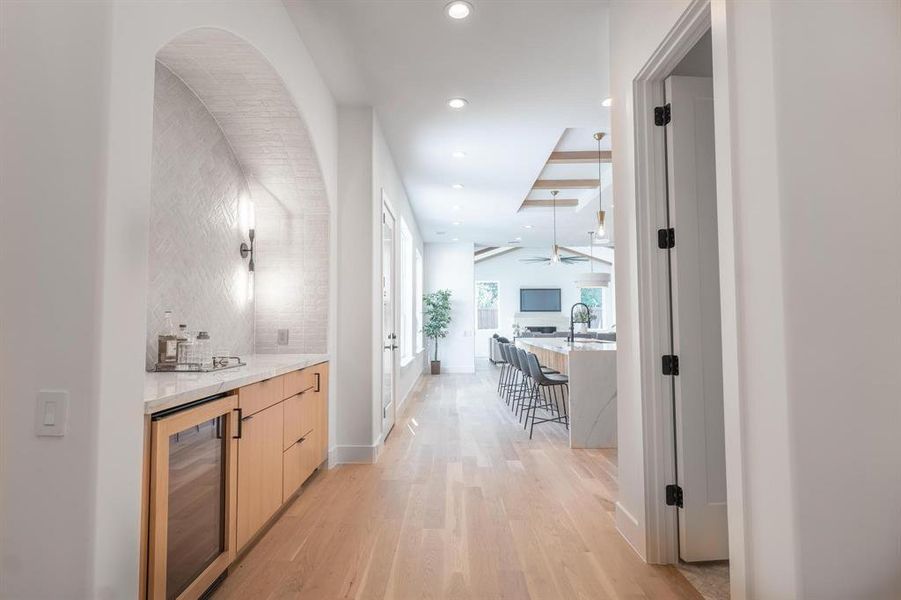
299,463
301,417
300,381
257,396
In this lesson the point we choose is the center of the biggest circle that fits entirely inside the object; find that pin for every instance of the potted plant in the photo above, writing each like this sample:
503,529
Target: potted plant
581,319
437,312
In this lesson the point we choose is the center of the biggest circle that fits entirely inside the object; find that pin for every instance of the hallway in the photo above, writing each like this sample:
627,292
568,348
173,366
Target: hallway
460,505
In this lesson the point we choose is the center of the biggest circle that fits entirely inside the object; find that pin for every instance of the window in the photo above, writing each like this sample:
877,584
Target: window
418,291
486,304
406,293
594,299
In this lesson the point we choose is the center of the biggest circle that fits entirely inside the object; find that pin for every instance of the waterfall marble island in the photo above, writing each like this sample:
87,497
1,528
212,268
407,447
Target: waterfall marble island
591,367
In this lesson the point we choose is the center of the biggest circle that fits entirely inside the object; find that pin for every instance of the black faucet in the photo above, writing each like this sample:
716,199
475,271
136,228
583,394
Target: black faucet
572,326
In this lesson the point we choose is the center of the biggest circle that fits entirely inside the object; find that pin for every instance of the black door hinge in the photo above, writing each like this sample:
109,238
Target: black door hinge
670,364
666,238
662,115
674,495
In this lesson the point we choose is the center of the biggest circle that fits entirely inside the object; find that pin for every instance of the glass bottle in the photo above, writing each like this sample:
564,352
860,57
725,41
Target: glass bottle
185,346
204,351
167,342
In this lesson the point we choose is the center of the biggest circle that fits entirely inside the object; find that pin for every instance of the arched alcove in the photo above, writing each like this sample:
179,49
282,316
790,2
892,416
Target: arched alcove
229,142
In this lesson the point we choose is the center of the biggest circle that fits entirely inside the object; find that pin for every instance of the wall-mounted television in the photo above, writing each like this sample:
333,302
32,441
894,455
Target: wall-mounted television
539,299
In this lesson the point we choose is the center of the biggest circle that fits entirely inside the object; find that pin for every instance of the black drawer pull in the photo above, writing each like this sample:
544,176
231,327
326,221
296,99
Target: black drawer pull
240,427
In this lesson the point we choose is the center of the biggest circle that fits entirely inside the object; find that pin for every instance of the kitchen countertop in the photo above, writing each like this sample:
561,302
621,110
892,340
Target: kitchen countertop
163,391
564,346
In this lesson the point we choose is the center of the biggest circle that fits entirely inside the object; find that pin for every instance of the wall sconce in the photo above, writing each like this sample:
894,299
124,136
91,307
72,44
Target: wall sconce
245,249
248,250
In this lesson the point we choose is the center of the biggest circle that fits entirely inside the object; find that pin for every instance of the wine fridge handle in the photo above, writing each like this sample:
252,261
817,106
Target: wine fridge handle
240,426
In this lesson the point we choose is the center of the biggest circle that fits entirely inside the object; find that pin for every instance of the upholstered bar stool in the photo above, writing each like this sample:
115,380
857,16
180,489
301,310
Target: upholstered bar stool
546,384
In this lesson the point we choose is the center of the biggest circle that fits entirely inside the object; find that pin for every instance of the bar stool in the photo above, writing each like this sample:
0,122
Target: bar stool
528,384
500,359
544,383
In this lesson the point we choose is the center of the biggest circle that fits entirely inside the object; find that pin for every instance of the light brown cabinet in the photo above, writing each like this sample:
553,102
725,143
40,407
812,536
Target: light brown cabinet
245,455
259,470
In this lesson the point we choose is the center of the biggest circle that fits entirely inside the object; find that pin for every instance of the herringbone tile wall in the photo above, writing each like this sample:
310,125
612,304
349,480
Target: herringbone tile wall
196,186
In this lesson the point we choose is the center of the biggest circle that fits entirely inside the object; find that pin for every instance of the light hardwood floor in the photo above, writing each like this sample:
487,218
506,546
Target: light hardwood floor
460,505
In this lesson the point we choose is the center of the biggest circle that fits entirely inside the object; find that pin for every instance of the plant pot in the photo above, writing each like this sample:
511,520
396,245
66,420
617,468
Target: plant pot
436,367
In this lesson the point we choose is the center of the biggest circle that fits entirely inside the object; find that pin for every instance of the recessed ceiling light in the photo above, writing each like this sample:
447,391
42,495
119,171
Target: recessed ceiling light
457,223
457,186
455,240
457,103
518,238
458,9
456,207
607,103
458,154
527,226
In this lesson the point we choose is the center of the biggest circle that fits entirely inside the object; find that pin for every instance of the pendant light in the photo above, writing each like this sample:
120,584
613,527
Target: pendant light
592,279
601,231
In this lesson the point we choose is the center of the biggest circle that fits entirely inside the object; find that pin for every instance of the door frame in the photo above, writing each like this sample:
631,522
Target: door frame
387,207
653,318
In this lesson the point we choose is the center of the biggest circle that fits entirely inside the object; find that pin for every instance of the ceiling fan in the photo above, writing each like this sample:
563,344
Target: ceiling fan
555,256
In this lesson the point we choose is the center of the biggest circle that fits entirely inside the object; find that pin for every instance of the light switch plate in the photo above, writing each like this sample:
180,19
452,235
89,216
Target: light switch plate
283,335
51,414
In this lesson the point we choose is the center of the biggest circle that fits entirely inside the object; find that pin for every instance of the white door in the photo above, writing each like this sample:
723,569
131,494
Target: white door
698,388
389,331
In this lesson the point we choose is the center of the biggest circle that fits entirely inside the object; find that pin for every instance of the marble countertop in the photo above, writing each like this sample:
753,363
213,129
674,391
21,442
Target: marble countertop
163,391
564,346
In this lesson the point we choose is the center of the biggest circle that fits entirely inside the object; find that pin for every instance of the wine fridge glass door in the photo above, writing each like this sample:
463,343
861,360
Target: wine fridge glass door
196,521
192,499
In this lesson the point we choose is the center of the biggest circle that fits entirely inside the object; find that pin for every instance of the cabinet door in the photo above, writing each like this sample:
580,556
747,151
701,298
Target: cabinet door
259,470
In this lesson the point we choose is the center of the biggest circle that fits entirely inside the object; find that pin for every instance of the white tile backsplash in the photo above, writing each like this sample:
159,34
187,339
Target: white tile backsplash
197,183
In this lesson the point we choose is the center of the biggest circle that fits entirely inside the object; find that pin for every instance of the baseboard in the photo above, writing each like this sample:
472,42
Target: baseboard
354,455
453,370
402,404
628,527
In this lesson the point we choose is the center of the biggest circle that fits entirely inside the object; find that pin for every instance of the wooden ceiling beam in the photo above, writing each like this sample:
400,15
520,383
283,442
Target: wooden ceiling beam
497,251
561,203
565,184
579,156
588,256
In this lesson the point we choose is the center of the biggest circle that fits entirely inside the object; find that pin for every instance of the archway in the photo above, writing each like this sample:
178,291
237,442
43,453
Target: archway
231,151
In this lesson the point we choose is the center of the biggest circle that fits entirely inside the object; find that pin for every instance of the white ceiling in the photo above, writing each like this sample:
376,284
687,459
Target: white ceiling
532,72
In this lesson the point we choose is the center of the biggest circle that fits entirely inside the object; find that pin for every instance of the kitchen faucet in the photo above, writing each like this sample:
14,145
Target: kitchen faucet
572,326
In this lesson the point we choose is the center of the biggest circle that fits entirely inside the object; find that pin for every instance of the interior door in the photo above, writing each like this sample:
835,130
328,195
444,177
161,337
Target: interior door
696,337
389,331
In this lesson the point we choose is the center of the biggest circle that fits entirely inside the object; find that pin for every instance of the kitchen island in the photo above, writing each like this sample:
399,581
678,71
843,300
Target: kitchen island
591,367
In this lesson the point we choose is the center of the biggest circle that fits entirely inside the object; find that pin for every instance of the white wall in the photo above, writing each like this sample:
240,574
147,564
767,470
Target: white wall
77,126
819,471
450,266
357,289
55,82
386,177
636,28
365,169
512,274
